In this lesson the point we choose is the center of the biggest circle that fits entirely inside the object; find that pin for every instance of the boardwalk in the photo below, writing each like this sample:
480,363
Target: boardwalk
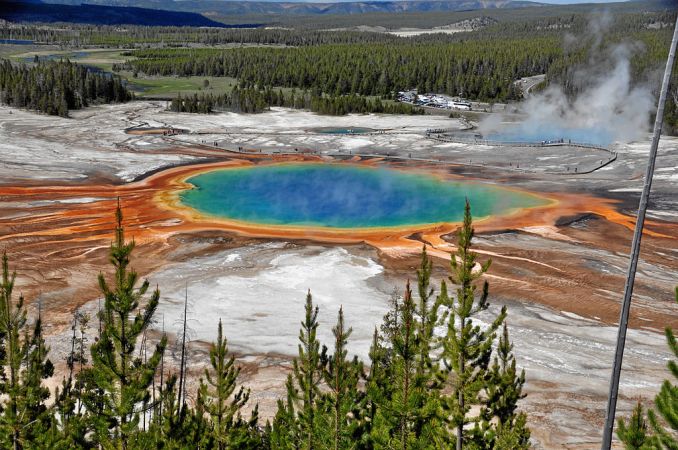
608,156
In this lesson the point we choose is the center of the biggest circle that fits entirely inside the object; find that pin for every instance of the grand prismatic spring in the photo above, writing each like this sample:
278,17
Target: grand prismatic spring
344,196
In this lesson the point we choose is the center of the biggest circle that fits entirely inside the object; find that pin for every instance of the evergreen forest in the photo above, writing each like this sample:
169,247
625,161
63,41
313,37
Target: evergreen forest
55,87
253,100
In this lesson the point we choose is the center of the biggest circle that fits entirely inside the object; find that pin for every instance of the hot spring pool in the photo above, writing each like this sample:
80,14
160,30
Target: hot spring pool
352,130
535,133
343,196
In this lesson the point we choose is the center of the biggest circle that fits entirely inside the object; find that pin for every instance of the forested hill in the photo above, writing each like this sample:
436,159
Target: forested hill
229,7
100,15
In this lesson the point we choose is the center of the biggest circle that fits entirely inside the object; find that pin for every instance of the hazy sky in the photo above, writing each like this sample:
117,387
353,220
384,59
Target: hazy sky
568,2
555,2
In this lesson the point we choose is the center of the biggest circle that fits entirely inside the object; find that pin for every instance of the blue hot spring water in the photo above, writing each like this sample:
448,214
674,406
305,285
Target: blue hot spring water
16,41
534,133
354,130
343,196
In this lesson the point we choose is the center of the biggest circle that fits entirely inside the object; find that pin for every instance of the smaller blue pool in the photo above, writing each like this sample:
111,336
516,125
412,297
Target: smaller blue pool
15,41
549,133
352,130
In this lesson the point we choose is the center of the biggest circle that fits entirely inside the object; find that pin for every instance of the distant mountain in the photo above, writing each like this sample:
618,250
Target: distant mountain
227,7
35,11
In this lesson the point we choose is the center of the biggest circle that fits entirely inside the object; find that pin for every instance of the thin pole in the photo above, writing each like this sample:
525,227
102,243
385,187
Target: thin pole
635,250
182,365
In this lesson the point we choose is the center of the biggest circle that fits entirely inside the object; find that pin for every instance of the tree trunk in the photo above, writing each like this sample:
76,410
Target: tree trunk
460,394
123,380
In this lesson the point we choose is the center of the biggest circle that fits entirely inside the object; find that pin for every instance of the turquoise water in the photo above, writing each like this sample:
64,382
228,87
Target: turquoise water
548,132
16,41
343,196
354,130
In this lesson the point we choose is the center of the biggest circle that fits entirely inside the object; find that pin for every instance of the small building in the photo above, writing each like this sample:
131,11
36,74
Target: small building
461,105
407,96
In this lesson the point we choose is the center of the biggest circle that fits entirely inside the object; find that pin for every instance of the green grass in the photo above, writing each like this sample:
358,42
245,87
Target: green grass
11,50
162,87
103,59
143,86
169,87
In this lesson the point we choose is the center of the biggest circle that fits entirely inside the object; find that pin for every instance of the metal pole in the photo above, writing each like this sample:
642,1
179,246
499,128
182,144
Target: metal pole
635,250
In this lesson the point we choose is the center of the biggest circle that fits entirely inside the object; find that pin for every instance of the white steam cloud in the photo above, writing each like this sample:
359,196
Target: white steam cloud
608,106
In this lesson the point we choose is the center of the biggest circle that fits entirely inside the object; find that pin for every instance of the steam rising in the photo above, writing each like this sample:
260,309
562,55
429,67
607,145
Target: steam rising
607,108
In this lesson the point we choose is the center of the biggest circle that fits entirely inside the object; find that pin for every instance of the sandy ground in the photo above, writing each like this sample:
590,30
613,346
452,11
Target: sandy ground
407,32
560,275
464,25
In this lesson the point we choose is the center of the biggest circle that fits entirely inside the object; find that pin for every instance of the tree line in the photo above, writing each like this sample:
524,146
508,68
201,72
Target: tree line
482,70
482,65
238,100
533,17
106,35
55,87
300,31
435,377
254,100
479,64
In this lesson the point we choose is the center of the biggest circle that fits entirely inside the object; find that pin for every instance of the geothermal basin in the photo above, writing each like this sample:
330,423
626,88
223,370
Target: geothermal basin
559,267
344,196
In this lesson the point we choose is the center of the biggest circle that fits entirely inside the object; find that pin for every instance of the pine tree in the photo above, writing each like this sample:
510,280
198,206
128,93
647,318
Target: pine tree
171,427
307,370
502,427
341,405
67,404
171,419
634,434
25,418
666,401
377,385
390,323
223,401
404,383
467,347
37,366
407,411
201,429
284,433
118,381
427,313
12,321
295,424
